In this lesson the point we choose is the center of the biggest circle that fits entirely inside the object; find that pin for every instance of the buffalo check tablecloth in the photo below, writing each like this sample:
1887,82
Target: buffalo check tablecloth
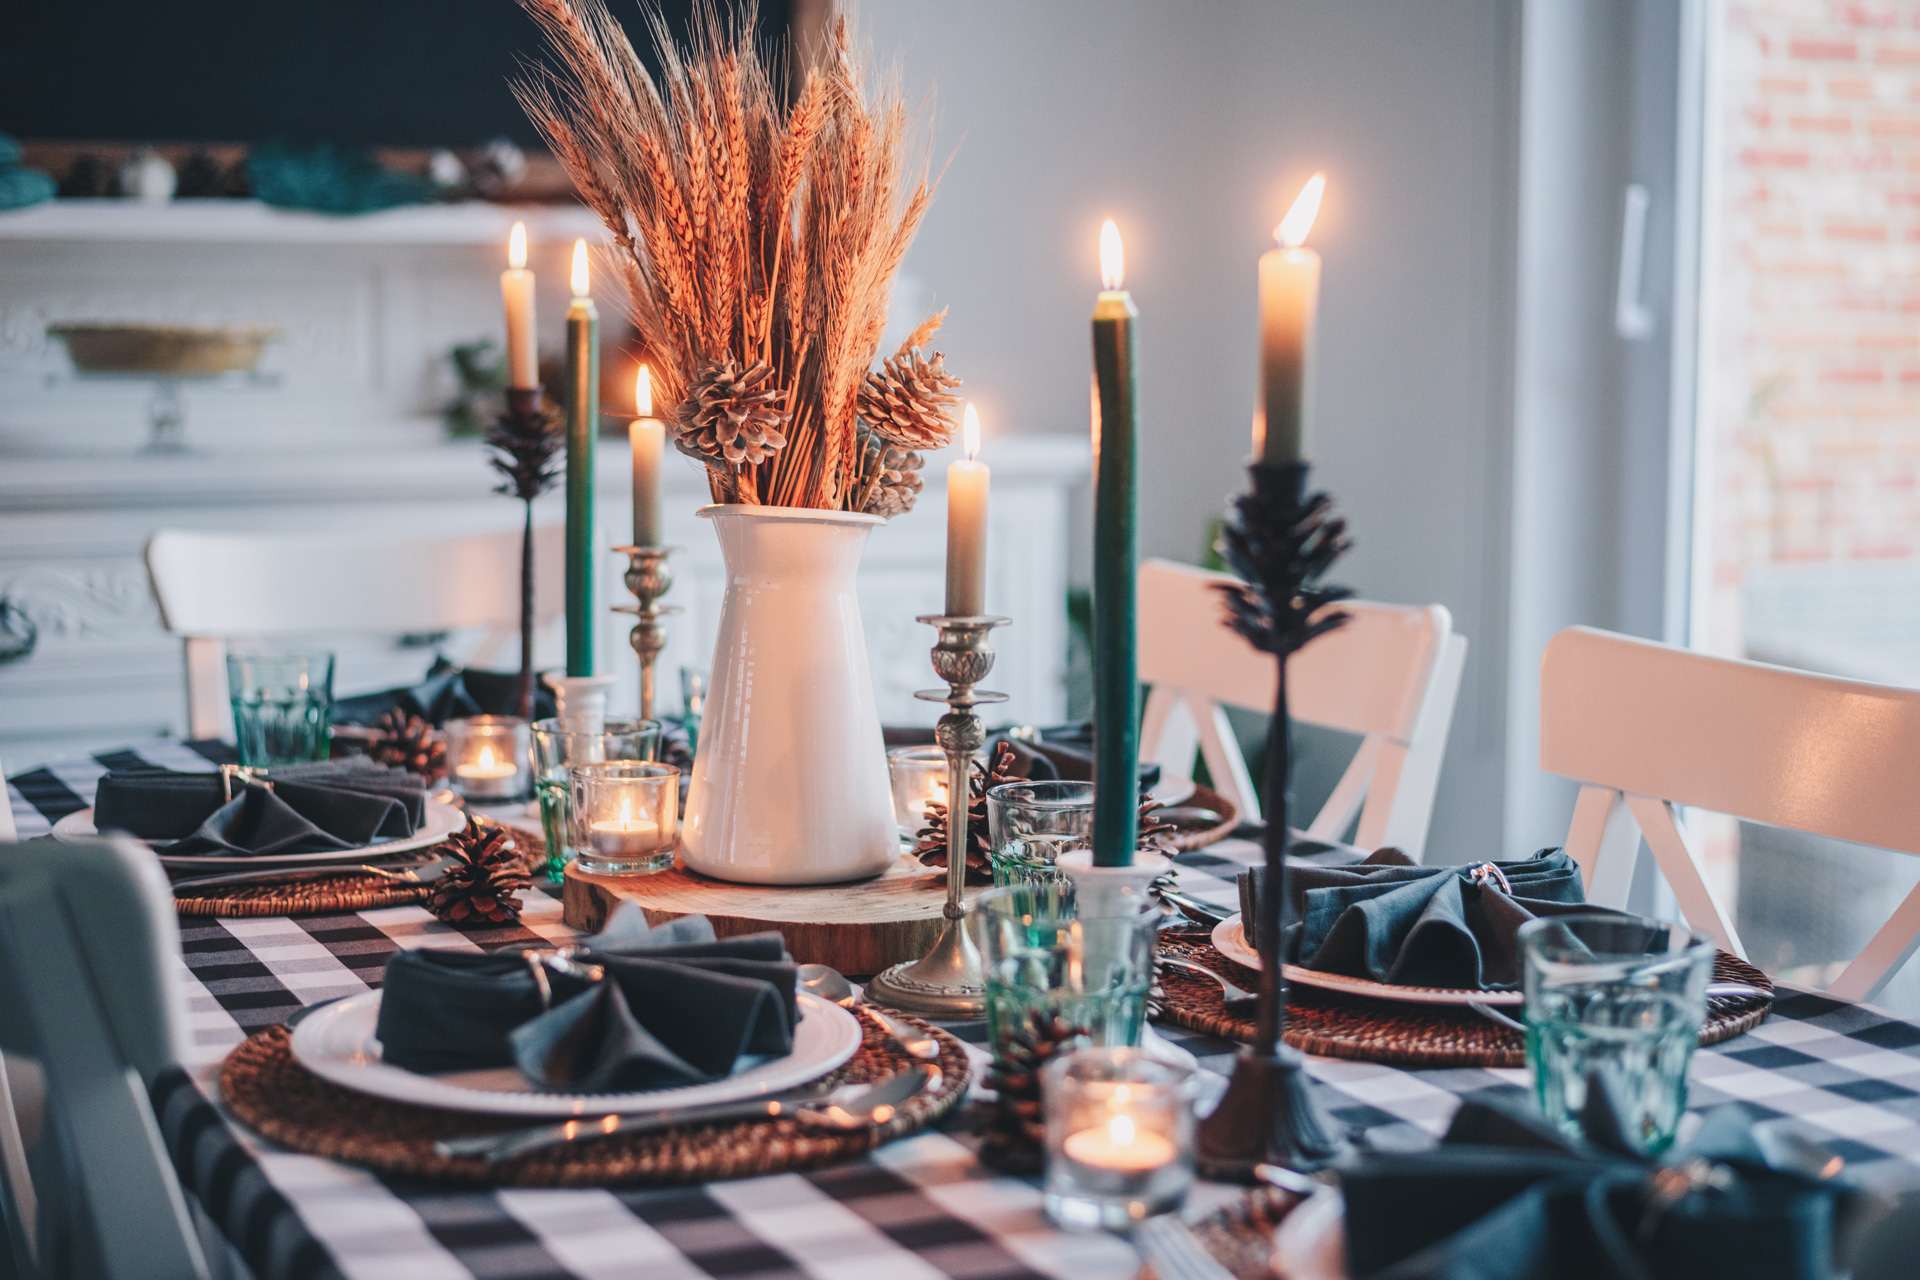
920,1209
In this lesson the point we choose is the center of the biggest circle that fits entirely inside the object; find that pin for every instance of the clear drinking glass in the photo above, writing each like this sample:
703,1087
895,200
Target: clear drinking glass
1614,1002
1120,1133
555,749
1079,975
1030,824
488,758
625,816
919,774
282,703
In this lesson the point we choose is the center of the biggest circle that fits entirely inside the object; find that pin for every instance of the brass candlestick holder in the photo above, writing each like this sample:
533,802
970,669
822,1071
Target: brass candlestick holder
948,981
649,579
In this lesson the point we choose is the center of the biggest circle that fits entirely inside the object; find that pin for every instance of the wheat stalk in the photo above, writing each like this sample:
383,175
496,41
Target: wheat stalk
747,229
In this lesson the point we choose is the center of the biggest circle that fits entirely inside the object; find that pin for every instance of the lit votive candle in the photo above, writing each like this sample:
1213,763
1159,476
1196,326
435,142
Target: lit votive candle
919,776
625,814
488,756
1120,1133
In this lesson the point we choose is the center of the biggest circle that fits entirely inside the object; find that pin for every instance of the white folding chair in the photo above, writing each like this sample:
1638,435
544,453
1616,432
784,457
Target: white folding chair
91,1001
1645,727
1390,675
214,585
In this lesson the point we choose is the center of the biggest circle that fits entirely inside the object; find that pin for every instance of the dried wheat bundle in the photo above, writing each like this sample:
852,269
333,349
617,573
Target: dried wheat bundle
759,241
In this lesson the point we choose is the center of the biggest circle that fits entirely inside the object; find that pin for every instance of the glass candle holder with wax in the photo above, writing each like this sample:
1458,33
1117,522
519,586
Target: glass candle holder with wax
919,776
625,816
1120,1134
556,750
487,758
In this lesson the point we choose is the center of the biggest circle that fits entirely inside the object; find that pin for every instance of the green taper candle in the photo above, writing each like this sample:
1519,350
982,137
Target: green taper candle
1116,690
583,418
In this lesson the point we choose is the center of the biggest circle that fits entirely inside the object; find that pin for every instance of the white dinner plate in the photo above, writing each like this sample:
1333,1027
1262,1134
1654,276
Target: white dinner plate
337,1043
441,820
1173,789
1311,1242
1230,940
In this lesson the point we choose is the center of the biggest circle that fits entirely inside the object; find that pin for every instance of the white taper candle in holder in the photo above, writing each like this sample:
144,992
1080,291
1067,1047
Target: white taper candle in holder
1289,317
516,291
648,436
967,482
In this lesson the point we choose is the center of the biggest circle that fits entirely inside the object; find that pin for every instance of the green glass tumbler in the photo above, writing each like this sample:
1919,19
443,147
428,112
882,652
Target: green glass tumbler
282,705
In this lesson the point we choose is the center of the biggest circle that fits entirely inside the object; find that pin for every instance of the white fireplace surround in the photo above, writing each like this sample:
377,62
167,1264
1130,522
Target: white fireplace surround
347,437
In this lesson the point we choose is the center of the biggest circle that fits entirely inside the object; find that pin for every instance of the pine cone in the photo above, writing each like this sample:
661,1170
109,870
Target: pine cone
731,417
932,846
909,400
485,881
1156,836
1016,1133
412,744
897,483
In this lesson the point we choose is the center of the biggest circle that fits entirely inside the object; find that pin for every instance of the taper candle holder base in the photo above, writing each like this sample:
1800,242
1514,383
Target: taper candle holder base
948,982
649,579
581,702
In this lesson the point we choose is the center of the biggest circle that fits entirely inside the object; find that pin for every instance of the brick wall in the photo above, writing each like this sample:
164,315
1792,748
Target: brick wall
1813,278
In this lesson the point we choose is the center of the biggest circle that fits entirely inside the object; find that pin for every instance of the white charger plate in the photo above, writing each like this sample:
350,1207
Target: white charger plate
1173,788
337,1043
440,820
1230,940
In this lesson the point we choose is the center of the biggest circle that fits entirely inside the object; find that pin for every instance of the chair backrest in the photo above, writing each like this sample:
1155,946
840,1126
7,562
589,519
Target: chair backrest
214,585
90,997
1648,726
1390,675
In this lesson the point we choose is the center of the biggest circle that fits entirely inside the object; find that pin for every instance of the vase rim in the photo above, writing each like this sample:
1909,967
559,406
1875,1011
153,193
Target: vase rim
820,514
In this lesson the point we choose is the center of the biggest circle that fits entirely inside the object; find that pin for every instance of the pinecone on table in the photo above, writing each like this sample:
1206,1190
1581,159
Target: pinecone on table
909,400
412,744
485,881
732,417
932,846
1016,1131
897,480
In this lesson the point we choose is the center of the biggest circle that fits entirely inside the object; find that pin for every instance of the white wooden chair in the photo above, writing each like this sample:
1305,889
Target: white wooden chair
1646,726
214,585
1391,675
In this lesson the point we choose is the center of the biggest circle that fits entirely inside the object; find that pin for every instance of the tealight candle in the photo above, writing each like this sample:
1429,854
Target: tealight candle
488,757
624,836
1120,1146
919,777
1120,1132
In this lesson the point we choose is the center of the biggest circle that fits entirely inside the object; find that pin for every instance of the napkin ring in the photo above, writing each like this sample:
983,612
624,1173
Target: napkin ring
560,960
245,775
1487,875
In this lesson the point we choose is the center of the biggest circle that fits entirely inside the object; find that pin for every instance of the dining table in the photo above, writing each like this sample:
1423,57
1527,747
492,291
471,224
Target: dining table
1844,1075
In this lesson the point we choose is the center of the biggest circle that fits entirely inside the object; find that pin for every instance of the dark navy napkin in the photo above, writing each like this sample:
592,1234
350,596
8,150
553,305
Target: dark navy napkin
311,808
1507,1197
1389,920
677,1006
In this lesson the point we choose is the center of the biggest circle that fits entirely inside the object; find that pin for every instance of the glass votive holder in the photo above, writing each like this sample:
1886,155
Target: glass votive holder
1120,1134
1030,824
556,749
919,775
488,758
625,816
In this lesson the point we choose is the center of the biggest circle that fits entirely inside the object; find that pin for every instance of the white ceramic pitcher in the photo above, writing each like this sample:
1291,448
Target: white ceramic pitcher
790,782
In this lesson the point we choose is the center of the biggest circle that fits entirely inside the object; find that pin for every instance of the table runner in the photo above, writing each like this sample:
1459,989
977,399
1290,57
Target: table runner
920,1209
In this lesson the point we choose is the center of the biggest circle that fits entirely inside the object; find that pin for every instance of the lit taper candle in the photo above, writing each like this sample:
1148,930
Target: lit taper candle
1289,309
516,290
967,481
583,413
648,436
1116,692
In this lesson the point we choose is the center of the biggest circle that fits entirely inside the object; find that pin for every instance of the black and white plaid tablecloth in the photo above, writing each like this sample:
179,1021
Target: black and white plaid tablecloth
919,1209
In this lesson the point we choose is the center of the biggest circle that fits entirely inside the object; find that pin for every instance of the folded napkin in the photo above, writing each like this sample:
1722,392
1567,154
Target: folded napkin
1507,1197
676,1007
1391,921
312,808
446,693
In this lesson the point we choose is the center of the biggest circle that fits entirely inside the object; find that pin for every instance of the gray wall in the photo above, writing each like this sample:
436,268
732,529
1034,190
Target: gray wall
1193,124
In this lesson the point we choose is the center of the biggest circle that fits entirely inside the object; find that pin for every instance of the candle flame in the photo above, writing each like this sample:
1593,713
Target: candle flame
486,758
1113,259
626,811
517,246
938,793
1121,1130
1292,231
643,392
970,430
580,289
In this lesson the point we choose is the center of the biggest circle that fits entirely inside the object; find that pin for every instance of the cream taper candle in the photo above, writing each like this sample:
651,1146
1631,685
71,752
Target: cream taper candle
516,291
967,481
648,436
1289,308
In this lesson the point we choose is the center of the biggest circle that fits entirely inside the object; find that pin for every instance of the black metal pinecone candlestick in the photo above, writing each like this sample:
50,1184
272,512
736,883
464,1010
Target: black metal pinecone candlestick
1281,541
525,439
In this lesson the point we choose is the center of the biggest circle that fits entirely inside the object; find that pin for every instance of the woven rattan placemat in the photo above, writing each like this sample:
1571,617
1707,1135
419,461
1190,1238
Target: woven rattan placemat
269,1092
347,892
1208,798
1394,1032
